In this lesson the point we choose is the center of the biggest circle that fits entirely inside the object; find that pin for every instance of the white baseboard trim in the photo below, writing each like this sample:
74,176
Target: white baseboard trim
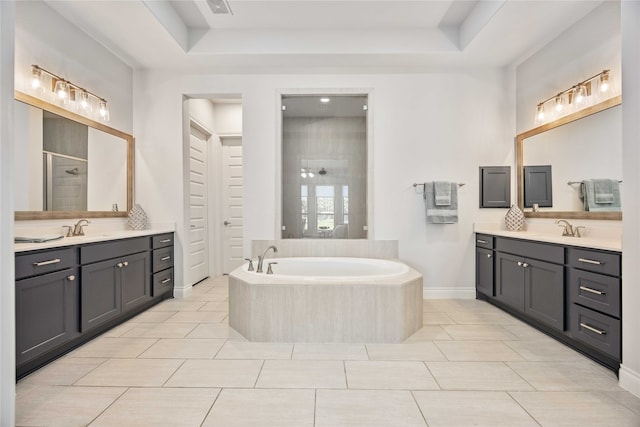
629,380
448,293
182,292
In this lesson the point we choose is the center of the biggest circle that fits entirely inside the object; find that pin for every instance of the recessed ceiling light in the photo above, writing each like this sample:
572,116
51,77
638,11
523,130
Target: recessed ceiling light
324,100
220,7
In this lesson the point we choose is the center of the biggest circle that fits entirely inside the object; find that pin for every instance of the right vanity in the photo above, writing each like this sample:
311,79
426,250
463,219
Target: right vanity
562,273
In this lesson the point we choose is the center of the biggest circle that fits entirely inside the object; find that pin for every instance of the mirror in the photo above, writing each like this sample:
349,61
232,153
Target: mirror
68,166
556,157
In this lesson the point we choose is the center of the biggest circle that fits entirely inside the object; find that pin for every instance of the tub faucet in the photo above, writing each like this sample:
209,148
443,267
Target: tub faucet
77,228
261,257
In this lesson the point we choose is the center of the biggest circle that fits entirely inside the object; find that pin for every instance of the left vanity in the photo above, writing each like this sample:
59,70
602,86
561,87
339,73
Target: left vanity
68,291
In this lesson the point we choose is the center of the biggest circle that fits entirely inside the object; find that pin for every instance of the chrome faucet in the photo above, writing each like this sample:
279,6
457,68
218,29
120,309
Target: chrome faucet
78,227
568,229
261,257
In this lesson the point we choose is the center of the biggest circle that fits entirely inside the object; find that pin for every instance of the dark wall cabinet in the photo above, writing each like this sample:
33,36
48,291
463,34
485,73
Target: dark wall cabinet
571,293
65,297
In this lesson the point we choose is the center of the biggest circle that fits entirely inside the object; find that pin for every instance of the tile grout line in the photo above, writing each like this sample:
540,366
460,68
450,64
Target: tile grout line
523,408
415,400
211,407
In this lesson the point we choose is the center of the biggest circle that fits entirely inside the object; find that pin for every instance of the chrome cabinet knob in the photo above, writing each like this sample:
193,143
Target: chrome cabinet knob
120,265
71,278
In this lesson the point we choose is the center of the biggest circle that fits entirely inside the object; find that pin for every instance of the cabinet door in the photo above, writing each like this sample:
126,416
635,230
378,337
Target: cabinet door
510,280
484,271
544,292
46,313
101,297
135,280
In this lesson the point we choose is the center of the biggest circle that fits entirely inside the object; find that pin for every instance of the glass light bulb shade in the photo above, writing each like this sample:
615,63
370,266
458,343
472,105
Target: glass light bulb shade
104,111
559,103
303,174
604,82
37,81
62,90
85,104
310,175
580,94
540,114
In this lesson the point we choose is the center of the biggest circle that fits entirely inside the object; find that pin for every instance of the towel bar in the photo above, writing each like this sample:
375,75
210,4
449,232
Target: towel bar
415,184
579,182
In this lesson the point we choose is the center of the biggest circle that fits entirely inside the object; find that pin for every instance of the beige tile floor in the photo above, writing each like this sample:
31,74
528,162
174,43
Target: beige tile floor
179,364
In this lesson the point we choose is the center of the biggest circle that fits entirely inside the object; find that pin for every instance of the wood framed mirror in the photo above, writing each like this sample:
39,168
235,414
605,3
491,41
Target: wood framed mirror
563,143
69,166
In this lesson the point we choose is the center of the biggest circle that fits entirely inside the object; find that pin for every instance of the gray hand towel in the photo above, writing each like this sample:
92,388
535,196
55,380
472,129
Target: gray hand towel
441,214
442,192
603,189
588,196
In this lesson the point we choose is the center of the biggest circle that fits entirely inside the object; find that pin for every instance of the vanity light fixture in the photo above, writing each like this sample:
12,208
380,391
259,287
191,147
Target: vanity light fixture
64,91
575,98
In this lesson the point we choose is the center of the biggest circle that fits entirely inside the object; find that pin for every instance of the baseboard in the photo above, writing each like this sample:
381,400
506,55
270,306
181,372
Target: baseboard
629,380
448,293
182,292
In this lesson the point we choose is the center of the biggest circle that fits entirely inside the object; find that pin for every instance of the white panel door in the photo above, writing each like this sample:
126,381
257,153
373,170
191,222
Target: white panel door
198,262
232,205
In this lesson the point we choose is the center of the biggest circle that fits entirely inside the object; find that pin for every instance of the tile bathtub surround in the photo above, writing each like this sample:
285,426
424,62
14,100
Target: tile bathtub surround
469,365
358,248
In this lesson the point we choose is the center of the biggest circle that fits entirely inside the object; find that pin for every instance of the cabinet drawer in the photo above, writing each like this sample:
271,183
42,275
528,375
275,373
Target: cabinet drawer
162,259
595,291
541,251
33,264
484,241
596,261
162,282
162,240
113,249
597,330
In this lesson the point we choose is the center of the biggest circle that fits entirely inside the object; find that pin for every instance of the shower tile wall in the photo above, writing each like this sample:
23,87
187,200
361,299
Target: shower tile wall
384,249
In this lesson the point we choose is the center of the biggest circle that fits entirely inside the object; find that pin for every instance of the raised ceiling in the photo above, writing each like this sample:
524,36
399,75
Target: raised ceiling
322,35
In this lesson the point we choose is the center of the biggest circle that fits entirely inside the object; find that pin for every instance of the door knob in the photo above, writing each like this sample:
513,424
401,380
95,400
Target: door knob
226,222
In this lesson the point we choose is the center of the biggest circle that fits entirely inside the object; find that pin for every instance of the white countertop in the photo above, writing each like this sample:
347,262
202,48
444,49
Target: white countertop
613,243
97,236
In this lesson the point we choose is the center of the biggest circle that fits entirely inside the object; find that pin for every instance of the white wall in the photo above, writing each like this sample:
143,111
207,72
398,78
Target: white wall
7,276
106,172
583,50
425,127
228,118
630,370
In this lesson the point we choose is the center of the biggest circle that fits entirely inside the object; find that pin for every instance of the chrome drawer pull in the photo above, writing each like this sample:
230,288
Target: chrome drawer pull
481,241
590,261
593,291
51,261
592,329
165,281
167,258
165,241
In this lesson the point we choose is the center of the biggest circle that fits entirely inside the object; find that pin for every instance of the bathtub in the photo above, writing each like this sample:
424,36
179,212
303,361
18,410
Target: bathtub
351,300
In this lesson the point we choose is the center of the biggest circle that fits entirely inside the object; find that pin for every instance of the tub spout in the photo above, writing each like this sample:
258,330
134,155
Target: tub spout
261,257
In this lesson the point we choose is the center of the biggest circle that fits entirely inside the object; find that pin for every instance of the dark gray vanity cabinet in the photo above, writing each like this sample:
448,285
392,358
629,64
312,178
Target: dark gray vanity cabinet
595,292
484,264
115,285
46,304
162,250
571,293
530,278
67,296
